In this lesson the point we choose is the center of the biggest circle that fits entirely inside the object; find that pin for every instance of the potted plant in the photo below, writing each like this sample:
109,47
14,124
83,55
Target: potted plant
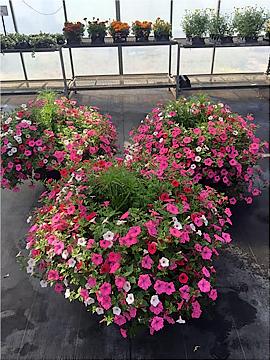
267,30
195,24
73,32
205,140
119,31
59,38
248,22
97,30
162,30
7,42
49,134
220,28
21,41
133,249
42,40
141,30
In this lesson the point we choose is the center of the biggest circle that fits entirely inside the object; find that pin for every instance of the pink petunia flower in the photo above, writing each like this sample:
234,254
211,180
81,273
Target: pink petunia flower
204,285
144,281
157,323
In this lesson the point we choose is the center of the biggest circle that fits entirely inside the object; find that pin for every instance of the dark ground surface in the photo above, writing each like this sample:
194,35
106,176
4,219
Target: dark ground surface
39,324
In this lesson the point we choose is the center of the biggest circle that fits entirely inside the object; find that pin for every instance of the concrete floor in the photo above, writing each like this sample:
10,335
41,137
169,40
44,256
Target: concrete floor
39,324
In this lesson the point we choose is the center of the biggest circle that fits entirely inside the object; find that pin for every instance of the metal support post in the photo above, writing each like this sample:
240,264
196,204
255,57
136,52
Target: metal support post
69,50
4,26
120,53
16,30
177,92
170,48
214,49
63,71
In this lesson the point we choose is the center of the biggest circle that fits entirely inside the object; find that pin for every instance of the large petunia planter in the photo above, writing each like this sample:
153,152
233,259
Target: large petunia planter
119,38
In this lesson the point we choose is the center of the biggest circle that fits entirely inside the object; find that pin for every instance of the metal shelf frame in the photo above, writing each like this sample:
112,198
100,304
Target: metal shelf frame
172,84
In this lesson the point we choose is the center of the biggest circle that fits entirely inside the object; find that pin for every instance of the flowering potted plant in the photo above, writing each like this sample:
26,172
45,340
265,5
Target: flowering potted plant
73,32
162,30
97,30
267,30
195,24
204,140
248,22
220,28
141,30
139,253
41,138
119,31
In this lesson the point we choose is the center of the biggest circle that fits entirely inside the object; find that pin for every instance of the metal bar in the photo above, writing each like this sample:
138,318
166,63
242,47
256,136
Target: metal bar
170,48
63,72
120,52
178,72
214,48
16,30
4,27
70,51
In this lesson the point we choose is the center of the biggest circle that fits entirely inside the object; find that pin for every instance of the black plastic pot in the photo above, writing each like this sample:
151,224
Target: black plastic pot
226,39
46,174
74,39
97,39
22,45
162,37
251,39
141,38
197,40
119,38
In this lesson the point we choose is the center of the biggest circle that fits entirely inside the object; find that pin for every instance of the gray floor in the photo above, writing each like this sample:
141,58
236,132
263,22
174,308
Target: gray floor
39,324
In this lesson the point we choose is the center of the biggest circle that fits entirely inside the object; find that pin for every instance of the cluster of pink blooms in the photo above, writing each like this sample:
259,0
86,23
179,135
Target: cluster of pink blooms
151,265
28,146
221,151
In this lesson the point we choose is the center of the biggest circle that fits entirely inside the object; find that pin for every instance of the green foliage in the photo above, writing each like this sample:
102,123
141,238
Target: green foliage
249,21
219,25
182,109
195,23
162,27
97,27
125,189
45,115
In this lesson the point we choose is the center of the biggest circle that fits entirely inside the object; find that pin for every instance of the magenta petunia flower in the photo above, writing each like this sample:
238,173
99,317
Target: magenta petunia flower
144,281
157,323
204,285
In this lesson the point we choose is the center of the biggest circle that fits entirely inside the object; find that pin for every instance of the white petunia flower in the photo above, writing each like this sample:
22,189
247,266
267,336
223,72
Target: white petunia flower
127,286
193,166
89,301
82,241
43,283
99,311
154,300
67,293
78,177
210,117
220,118
80,152
145,252
116,310
14,150
109,235
177,225
65,282
198,158
10,153
71,262
65,254
192,226
235,132
130,299
120,222
30,270
174,219
180,320
164,262
31,262
29,219
198,149
199,232
45,161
